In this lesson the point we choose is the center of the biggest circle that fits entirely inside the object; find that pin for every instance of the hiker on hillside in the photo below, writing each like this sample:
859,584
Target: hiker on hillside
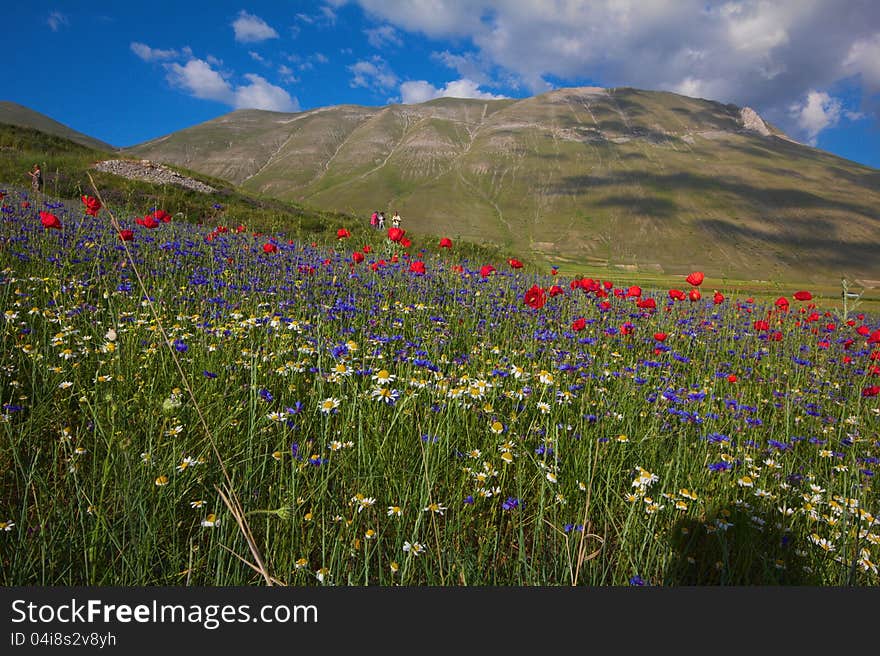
381,220
395,220
374,220
36,178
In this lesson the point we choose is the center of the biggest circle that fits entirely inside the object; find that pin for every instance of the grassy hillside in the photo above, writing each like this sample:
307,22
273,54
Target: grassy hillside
14,114
645,181
66,166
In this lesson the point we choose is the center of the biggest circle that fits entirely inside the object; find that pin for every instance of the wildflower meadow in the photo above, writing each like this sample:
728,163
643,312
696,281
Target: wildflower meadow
190,404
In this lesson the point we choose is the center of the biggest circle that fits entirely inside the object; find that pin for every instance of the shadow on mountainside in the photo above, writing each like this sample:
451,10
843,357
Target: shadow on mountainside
769,198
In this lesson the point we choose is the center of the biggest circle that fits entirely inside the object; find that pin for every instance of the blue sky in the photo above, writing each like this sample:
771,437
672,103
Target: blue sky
126,72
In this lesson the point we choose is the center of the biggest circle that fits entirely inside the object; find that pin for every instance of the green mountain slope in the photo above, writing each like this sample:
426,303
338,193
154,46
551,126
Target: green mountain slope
15,114
637,179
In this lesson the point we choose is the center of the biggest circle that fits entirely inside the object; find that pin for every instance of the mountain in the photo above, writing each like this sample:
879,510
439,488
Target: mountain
14,114
637,179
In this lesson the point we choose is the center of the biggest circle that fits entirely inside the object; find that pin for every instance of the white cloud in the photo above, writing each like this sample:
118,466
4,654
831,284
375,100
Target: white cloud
200,80
373,74
756,27
149,54
418,91
817,112
257,57
383,36
260,94
767,54
252,29
287,74
863,59
57,20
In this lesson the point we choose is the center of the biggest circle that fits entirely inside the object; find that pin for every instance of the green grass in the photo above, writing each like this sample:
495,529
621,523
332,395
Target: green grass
108,472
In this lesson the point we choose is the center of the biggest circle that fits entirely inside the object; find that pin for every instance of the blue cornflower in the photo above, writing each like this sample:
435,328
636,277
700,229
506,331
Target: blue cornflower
469,499
209,374
719,466
511,503
637,580
180,346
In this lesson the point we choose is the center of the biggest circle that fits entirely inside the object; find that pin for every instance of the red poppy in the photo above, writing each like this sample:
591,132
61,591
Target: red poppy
761,325
165,217
394,259
126,235
405,242
732,379
535,297
782,303
50,221
627,329
578,324
396,234
93,205
695,279
342,233
240,229
863,331
486,269
776,336
803,296
677,295
694,295
148,222
660,337
874,390
514,263
417,267
718,298
635,291
555,290
647,304
457,268
269,247
605,306
25,204
2,195
358,257
874,338
446,242
367,249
